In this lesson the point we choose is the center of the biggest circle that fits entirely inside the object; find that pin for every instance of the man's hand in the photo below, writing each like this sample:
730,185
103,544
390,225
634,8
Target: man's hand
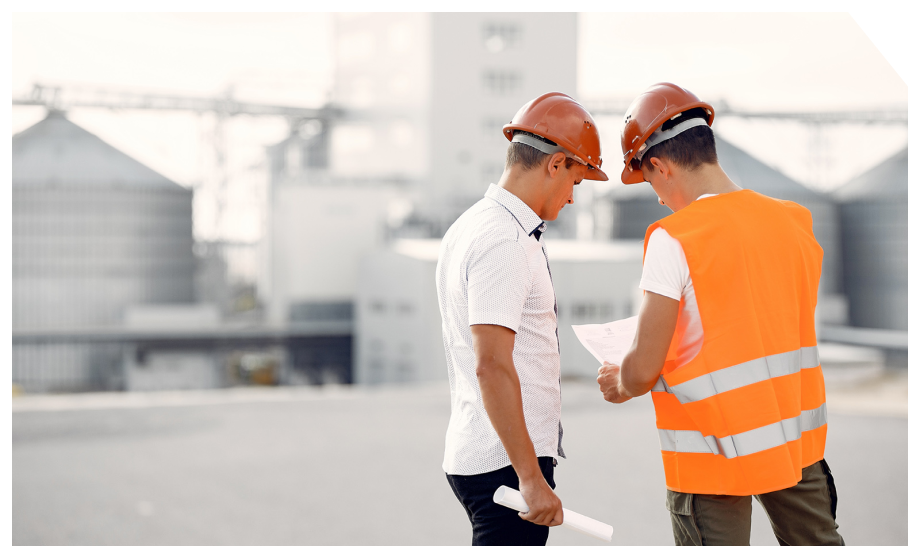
545,506
608,378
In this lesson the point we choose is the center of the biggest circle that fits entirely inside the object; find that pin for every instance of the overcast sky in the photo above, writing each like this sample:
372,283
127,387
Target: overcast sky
753,61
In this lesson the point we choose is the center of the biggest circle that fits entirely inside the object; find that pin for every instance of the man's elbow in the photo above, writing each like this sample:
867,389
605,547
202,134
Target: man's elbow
636,389
485,371
640,379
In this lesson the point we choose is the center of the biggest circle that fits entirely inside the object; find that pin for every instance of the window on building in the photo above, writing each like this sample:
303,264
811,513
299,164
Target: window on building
502,82
592,312
321,311
497,37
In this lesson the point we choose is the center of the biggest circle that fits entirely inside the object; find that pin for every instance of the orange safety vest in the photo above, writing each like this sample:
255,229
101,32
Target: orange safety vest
747,413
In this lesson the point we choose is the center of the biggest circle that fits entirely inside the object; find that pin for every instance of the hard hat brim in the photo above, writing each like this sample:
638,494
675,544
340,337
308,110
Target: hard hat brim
596,174
631,176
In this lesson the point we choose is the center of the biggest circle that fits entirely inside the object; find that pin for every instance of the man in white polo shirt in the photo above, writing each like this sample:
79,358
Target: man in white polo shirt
498,311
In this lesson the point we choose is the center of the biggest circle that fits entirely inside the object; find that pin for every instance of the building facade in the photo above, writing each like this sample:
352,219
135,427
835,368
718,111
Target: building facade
435,90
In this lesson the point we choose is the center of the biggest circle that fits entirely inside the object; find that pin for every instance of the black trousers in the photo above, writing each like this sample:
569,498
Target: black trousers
495,525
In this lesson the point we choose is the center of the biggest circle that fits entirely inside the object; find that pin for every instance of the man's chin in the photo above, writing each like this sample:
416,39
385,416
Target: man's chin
554,216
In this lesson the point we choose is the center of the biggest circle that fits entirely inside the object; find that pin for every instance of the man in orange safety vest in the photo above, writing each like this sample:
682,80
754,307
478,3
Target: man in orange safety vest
726,338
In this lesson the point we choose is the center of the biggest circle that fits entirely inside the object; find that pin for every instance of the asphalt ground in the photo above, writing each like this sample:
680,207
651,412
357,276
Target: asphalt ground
356,466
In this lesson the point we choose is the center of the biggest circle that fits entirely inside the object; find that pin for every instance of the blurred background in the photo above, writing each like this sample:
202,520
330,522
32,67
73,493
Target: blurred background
225,230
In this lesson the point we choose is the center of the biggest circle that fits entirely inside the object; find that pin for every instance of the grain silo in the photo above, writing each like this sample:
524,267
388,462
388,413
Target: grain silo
93,232
873,215
636,205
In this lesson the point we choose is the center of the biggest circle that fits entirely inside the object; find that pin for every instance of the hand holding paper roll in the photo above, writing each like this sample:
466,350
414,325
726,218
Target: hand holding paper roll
511,498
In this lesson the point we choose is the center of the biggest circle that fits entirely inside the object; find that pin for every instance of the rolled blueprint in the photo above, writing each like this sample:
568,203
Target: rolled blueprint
511,498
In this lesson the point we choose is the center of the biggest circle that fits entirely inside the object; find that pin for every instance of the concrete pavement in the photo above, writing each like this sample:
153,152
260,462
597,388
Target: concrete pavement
358,466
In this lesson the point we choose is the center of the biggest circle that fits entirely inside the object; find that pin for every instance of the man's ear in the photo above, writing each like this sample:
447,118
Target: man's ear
660,167
554,163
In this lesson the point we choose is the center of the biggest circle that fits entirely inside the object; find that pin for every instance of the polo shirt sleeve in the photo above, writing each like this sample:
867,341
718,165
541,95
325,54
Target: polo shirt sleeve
665,270
498,282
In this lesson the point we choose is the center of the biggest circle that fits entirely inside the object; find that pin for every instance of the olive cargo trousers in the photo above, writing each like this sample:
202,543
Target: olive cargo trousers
804,514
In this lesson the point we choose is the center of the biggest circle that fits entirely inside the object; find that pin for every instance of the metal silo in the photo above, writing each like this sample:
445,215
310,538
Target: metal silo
636,205
873,210
93,232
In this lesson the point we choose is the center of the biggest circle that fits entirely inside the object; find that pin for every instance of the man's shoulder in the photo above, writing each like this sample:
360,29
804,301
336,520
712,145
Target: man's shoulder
486,221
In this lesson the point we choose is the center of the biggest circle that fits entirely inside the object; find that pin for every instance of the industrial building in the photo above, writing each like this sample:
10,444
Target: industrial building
873,212
94,231
358,196
426,96
874,222
318,226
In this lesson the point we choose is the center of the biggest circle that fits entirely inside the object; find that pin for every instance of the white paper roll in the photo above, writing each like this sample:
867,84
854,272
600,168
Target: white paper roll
511,498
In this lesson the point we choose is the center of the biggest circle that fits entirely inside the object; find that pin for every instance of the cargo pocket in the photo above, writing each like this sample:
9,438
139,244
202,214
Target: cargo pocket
680,503
683,523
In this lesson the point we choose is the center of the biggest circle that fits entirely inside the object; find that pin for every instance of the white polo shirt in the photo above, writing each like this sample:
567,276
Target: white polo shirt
493,269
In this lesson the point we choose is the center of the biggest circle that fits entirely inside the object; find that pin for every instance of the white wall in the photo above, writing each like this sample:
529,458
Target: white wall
469,112
319,234
398,324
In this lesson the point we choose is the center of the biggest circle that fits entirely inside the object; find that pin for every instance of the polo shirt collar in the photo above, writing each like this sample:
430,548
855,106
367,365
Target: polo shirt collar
529,221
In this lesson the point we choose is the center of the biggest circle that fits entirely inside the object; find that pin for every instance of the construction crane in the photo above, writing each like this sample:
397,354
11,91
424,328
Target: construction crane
59,98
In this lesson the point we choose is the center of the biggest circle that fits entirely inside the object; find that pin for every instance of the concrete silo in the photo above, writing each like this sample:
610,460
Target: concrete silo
873,213
636,205
93,232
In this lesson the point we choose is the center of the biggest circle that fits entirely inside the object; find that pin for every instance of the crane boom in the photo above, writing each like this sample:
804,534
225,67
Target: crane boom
60,98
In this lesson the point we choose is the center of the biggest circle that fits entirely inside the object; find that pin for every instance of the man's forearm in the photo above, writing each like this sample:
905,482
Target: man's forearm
642,364
501,397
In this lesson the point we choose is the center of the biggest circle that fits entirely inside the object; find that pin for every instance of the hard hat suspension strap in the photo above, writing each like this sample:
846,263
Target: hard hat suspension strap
544,147
659,136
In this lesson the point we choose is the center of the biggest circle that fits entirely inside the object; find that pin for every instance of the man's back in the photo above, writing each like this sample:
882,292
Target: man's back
755,389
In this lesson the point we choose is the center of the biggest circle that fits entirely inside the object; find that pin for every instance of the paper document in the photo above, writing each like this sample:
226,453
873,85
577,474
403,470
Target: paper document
511,498
609,341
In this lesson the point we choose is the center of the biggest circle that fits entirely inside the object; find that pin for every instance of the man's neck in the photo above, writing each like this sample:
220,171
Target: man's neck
521,184
707,179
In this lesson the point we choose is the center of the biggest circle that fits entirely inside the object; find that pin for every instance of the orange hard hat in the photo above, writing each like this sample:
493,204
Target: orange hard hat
655,106
560,119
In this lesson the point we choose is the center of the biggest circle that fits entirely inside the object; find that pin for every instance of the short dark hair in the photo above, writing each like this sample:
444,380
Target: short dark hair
529,157
689,149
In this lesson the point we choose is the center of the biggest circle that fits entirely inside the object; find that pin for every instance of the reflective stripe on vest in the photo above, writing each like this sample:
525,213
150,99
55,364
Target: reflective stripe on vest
740,375
745,443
